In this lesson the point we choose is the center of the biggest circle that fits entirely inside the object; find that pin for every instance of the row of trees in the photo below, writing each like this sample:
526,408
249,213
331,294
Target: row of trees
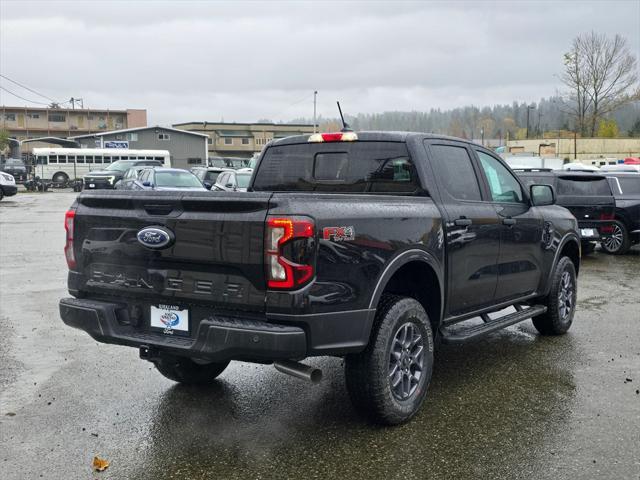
601,98
548,116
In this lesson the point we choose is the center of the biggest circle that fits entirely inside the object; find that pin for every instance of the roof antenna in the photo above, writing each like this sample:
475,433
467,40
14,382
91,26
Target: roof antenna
345,125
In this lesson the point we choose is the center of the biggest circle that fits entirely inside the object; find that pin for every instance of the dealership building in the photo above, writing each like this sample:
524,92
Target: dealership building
187,149
242,139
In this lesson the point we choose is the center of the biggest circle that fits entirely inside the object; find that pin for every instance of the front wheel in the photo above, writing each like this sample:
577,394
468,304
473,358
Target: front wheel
561,301
388,381
185,370
619,242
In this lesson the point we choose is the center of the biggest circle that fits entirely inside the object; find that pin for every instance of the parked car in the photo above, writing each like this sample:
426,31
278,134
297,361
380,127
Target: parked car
621,167
233,181
208,175
159,178
587,196
129,177
14,167
626,229
365,246
110,176
8,186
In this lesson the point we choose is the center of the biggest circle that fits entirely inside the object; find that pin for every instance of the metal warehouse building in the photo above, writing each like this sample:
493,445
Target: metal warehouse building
187,149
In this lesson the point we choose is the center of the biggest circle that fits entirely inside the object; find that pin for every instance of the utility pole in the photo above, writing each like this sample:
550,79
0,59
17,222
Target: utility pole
315,98
529,108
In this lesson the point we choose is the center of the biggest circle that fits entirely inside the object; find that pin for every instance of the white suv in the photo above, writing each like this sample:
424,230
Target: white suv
7,185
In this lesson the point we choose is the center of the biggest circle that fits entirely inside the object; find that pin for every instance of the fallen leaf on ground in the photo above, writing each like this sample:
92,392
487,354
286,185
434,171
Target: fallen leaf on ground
100,464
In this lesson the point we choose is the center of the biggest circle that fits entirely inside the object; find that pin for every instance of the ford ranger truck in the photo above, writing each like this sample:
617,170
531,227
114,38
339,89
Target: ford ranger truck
374,246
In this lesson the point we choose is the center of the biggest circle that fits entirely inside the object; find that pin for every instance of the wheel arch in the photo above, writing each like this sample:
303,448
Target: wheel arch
417,274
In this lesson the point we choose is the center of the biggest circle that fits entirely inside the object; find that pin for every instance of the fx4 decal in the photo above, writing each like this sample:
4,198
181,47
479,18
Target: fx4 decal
339,234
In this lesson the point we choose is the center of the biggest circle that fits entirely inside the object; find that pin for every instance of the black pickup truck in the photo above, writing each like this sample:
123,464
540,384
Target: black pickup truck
375,247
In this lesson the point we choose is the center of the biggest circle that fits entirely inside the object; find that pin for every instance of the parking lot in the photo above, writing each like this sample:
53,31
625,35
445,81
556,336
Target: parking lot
515,405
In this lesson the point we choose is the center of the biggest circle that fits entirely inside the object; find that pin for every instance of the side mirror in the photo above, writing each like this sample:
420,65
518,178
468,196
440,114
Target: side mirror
207,185
542,195
229,185
146,184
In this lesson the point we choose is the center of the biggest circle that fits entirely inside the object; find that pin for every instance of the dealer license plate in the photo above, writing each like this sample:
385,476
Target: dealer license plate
92,185
170,318
588,232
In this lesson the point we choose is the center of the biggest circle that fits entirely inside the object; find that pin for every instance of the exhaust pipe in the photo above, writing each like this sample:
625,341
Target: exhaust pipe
299,370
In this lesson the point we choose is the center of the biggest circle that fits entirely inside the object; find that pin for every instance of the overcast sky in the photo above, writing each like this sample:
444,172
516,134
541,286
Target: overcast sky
186,61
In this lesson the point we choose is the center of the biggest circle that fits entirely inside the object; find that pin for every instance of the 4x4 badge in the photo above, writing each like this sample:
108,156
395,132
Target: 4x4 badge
339,234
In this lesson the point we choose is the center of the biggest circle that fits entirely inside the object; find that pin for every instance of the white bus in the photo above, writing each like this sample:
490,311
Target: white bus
63,164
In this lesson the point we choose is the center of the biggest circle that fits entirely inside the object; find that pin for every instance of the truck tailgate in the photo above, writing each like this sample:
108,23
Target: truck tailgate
217,257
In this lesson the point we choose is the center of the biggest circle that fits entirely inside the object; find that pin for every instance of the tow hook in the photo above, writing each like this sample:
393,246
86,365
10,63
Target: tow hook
148,353
299,370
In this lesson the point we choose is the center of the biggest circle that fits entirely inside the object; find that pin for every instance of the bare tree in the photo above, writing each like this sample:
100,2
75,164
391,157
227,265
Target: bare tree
601,75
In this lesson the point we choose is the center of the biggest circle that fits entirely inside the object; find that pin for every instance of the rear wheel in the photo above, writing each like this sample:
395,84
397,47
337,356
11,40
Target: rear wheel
388,381
619,242
561,301
60,178
185,370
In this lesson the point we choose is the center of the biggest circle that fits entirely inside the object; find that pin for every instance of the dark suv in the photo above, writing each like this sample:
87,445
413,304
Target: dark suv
14,167
107,178
586,195
626,229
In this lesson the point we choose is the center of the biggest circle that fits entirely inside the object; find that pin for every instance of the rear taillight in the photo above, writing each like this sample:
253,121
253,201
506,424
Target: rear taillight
69,223
285,272
609,227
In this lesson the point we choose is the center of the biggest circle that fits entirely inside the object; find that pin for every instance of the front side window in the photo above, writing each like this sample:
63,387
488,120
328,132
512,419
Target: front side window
503,185
455,172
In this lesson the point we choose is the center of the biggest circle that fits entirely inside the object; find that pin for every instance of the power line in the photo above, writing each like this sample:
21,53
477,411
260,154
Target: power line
291,105
25,99
27,88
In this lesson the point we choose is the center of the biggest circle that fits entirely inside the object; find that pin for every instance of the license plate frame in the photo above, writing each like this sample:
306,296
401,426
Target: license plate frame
170,319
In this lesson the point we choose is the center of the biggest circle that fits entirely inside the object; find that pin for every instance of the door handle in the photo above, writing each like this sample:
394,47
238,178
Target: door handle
509,221
462,222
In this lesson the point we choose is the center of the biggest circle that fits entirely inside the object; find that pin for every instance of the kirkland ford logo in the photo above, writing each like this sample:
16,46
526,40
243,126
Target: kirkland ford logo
156,237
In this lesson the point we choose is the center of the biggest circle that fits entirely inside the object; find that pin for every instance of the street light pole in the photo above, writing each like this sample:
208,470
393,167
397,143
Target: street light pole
315,97
529,108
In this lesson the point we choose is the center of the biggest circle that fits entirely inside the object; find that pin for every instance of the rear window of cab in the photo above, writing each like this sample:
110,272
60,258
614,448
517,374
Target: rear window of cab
338,167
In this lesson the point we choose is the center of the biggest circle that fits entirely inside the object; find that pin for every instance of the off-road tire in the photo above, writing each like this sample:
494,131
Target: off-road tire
554,321
367,374
622,242
184,370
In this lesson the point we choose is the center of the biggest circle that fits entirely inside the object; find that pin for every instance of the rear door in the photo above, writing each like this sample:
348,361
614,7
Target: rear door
216,257
472,228
521,249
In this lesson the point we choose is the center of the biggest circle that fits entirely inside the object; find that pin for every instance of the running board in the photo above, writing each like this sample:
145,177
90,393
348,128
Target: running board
463,335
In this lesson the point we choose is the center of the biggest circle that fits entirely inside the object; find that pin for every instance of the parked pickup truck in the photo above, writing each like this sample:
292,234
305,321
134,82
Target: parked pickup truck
373,246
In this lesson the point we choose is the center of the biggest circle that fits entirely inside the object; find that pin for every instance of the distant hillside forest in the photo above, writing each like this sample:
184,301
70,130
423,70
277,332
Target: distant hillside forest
547,118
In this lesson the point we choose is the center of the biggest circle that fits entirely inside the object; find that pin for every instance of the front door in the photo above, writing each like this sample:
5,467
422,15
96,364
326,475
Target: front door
521,249
472,229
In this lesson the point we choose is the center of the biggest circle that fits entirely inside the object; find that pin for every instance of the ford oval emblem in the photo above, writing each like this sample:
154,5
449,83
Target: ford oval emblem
156,237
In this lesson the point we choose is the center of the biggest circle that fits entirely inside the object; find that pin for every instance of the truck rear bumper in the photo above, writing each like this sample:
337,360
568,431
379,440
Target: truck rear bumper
217,338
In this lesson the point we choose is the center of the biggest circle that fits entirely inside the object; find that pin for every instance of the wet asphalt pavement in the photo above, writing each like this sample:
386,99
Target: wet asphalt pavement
515,405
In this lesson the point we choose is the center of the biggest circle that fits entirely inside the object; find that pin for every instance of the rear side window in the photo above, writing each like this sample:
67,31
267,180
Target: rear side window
583,187
455,172
360,167
629,185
